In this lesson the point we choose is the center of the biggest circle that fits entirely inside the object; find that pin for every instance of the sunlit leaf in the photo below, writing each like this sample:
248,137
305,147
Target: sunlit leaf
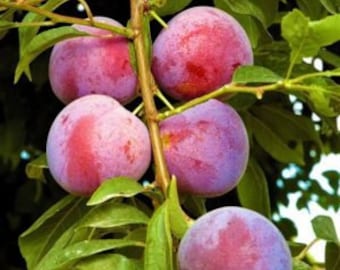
158,251
112,214
255,74
108,262
115,188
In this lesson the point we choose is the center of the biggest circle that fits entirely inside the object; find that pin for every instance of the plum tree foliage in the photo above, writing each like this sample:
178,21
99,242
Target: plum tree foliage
169,110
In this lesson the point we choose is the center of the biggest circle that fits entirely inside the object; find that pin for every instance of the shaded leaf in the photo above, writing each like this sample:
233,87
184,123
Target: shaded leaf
112,214
272,143
255,74
42,42
332,256
253,191
263,10
35,168
109,262
324,228
36,241
158,251
115,188
195,205
332,6
312,9
333,179
171,7
296,248
289,126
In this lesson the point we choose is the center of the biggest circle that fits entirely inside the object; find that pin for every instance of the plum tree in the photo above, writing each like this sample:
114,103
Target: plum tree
199,52
94,138
96,64
206,147
233,238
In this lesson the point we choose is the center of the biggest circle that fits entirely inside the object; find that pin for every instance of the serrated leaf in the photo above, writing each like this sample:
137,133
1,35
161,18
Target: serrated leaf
324,228
255,74
253,191
158,251
177,217
109,262
35,168
272,143
332,258
70,254
300,265
115,188
111,215
42,42
171,7
291,127
36,241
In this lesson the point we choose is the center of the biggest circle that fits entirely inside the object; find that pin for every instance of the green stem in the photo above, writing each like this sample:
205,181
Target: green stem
158,19
58,18
230,88
161,174
304,252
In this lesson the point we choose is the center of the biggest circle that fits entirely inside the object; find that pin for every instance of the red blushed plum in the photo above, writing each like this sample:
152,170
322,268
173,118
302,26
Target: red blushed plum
233,238
97,64
95,138
199,52
206,147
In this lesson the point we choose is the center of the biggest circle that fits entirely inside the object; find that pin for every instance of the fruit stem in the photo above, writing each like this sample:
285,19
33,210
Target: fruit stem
162,177
58,18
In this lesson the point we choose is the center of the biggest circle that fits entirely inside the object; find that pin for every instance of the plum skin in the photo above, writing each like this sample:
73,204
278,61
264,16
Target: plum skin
93,65
233,238
95,138
206,147
198,52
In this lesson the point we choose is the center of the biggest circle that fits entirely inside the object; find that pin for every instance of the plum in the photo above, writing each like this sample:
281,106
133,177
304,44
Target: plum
95,138
198,52
96,64
233,238
206,147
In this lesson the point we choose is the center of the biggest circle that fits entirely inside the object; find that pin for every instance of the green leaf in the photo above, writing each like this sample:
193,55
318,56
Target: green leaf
36,241
195,205
296,248
177,217
26,34
253,191
306,37
42,42
108,262
111,215
289,126
70,254
272,143
5,24
158,251
171,7
324,228
35,169
324,101
263,10
333,6
312,9
300,265
295,30
333,179
255,74
256,31
115,188
332,253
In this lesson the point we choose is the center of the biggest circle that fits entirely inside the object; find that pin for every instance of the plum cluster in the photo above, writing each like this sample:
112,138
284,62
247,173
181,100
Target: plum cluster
206,147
